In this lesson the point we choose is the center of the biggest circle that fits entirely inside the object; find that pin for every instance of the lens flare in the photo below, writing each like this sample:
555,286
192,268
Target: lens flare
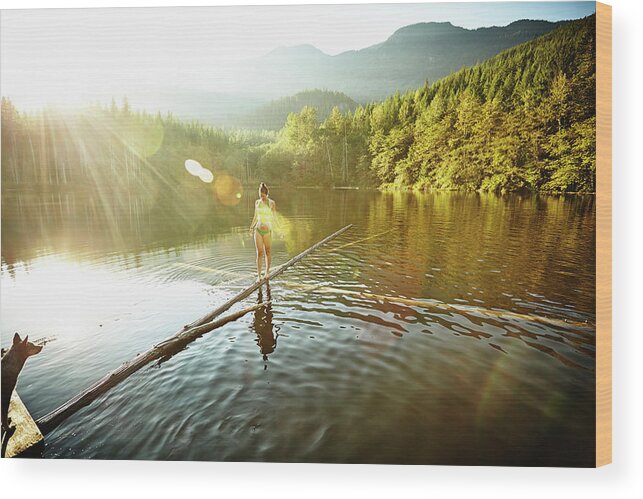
228,190
206,175
194,167
145,139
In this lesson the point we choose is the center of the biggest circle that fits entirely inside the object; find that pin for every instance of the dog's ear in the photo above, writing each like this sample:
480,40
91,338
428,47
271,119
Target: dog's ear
26,340
16,339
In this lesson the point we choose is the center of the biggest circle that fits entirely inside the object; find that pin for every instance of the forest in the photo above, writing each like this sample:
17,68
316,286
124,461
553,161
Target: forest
522,120
117,147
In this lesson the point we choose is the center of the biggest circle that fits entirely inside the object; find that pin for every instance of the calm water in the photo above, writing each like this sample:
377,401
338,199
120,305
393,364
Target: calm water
442,329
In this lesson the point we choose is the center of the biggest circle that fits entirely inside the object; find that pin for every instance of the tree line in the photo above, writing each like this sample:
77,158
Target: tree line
114,146
523,120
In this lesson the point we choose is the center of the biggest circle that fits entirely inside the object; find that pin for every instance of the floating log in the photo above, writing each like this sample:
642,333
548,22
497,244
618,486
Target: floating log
163,349
170,345
248,291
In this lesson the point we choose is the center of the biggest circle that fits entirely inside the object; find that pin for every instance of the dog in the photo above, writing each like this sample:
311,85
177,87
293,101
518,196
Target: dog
12,363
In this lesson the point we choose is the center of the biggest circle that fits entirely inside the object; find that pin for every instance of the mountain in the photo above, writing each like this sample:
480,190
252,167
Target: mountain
301,53
524,120
272,116
249,94
409,57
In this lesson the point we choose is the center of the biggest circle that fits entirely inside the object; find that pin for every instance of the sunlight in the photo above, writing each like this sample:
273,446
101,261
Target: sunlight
73,298
114,132
145,139
456,323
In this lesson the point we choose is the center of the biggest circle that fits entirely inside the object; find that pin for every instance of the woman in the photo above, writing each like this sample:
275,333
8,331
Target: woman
262,223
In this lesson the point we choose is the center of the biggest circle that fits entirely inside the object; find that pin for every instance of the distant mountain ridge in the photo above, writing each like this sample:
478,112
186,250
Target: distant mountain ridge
410,56
524,120
244,93
303,50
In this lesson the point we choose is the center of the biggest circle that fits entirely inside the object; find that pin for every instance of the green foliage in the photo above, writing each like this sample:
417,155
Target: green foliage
119,149
523,120
572,158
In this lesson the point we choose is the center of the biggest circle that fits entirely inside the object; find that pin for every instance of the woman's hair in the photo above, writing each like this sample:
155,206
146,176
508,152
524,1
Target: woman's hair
263,188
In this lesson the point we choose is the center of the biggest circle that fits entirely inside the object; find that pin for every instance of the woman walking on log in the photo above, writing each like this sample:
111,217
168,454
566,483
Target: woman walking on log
262,223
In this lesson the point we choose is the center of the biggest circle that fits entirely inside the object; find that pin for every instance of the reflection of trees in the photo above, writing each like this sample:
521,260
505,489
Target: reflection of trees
81,223
493,247
482,247
86,222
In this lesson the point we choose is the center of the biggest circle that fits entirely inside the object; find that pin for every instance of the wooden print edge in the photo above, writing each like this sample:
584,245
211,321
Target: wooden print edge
603,234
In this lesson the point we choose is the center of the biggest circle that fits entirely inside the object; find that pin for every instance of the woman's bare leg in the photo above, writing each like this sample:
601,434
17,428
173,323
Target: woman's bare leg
260,253
267,243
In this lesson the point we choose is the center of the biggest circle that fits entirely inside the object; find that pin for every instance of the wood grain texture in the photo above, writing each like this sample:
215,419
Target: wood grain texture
603,234
27,440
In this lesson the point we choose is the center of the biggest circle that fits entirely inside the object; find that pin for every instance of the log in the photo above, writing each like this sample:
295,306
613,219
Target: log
164,349
26,440
248,291
170,345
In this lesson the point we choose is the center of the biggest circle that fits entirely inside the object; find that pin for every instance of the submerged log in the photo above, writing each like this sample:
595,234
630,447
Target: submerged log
169,346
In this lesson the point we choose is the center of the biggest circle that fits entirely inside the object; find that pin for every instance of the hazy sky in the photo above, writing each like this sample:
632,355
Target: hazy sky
76,55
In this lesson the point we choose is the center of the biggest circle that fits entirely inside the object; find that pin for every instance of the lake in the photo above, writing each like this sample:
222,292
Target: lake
443,328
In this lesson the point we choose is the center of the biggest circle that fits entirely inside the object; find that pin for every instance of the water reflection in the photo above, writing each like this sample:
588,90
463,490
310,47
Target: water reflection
466,321
263,326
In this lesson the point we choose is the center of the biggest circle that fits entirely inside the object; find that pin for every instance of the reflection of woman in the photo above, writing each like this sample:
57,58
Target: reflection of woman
262,325
262,222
